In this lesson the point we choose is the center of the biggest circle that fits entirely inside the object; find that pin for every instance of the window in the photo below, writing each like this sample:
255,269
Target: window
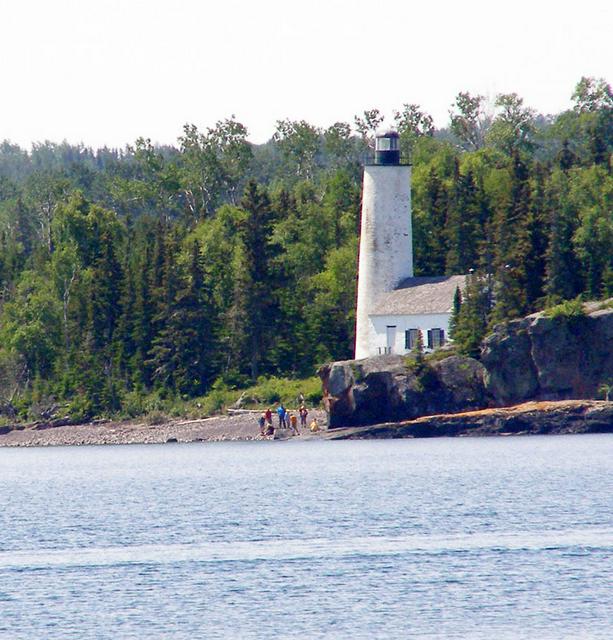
383,144
410,338
436,338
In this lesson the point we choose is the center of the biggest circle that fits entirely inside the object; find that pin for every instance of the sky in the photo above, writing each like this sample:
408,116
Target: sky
105,72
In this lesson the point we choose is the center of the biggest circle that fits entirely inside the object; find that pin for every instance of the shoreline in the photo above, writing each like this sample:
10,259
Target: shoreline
560,417
530,418
241,427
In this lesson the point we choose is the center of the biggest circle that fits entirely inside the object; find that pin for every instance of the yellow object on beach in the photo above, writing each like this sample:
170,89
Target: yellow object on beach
314,426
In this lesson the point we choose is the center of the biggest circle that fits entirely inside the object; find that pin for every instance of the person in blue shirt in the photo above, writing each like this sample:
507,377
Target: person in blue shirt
281,414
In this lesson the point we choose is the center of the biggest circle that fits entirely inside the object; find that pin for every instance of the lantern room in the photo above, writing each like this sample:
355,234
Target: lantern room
387,148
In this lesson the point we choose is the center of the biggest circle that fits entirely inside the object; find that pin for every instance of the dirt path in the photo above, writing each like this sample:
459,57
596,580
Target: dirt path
219,428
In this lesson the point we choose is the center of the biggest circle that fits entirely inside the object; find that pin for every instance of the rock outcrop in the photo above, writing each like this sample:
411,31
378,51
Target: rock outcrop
549,358
384,388
534,358
532,418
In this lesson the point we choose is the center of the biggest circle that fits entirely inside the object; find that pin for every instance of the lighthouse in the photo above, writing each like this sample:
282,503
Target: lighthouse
386,245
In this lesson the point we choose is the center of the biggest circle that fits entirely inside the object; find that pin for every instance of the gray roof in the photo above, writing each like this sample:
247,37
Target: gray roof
420,296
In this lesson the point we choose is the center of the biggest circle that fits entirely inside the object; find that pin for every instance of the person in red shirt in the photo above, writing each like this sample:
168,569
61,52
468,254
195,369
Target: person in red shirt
303,415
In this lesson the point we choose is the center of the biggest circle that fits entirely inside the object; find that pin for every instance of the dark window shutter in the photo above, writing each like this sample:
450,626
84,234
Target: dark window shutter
407,339
429,338
442,337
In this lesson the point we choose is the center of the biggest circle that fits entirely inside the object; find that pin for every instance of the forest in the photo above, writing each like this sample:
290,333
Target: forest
143,275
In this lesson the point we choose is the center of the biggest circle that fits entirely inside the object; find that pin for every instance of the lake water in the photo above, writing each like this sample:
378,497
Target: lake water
446,538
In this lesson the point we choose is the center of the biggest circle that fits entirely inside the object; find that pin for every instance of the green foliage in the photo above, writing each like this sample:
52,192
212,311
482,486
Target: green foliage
512,129
264,393
299,144
31,324
469,123
474,316
412,123
156,417
455,315
132,279
606,389
568,310
419,365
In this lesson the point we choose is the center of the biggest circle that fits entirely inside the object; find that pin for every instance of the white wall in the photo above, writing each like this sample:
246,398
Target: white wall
386,246
377,337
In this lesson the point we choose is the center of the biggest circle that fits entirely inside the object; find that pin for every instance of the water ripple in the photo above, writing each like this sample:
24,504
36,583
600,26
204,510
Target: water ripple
572,541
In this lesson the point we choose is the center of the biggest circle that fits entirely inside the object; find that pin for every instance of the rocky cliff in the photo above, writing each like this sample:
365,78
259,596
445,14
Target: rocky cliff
535,358
549,358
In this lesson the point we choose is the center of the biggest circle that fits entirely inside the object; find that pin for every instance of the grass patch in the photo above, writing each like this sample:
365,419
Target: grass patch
266,392
441,354
413,363
156,408
156,417
358,373
567,310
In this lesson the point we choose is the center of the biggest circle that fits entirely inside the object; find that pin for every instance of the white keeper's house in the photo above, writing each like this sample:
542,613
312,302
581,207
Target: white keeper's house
393,305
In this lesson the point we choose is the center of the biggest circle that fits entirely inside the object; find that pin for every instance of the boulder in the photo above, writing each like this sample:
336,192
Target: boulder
510,375
549,358
387,388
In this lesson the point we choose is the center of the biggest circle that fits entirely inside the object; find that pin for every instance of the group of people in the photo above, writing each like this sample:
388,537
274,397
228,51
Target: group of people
287,420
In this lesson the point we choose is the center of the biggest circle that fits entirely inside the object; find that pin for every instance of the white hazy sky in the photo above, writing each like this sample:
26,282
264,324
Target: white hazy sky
107,71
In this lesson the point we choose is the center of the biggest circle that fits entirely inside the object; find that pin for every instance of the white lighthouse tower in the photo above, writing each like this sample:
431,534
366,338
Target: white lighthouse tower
386,245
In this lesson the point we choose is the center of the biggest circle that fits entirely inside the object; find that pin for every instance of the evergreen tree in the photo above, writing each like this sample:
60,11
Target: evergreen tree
435,207
566,158
142,324
513,246
562,268
127,347
236,319
418,352
537,225
95,360
260,304
455,315
161,357
184,350
105,295
462,225
474,315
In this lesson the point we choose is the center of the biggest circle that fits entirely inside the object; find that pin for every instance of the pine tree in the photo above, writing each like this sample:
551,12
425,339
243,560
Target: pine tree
462,225
455,315
236,319
104,310
435,208
562,268
105,294
474,315
259,298
537,231
183,352
418,352
126,345
566,158
161,357
142,325
513,246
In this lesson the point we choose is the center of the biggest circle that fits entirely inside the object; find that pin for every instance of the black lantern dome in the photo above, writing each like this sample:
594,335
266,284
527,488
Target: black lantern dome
387,148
